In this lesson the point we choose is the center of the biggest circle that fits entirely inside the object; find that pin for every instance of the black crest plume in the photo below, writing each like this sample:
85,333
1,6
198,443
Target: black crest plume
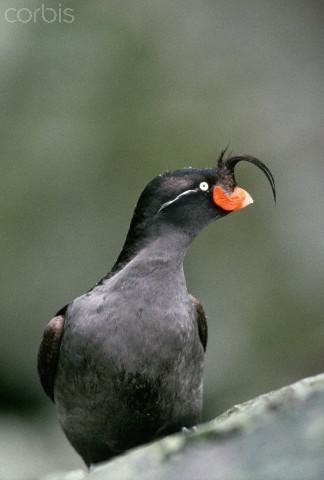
229,163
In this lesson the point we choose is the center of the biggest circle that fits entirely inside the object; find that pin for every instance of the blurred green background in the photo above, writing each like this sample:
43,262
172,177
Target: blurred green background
91,110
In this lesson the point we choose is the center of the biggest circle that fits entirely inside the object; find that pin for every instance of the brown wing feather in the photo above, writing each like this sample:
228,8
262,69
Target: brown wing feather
48,354
202,322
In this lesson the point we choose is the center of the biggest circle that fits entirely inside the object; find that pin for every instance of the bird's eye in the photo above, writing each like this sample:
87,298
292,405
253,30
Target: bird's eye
204,186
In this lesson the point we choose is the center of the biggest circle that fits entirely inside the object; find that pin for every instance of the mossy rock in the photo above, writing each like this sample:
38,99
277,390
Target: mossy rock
277,436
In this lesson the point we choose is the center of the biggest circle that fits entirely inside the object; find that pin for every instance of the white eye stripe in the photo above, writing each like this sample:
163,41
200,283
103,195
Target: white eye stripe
167,204
204,187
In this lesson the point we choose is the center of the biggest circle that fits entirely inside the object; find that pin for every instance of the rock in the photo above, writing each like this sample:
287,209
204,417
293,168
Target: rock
277,436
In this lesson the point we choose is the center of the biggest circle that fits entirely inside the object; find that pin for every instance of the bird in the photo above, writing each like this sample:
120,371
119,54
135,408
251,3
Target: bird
123,362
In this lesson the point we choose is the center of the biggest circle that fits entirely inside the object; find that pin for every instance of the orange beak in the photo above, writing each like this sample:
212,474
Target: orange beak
231,202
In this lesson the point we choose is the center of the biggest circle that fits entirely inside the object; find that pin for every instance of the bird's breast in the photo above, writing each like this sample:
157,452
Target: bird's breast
129,355
125,327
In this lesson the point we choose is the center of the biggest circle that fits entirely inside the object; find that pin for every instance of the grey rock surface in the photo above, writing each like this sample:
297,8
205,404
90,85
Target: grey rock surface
276,436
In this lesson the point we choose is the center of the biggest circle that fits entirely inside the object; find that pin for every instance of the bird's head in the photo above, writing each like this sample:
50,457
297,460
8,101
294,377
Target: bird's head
188,199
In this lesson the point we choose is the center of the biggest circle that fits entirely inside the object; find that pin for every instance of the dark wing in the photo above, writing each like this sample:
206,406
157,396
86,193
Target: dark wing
202,322
48,354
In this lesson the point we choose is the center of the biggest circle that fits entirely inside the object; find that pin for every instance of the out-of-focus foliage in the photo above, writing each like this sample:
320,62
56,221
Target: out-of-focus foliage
92,110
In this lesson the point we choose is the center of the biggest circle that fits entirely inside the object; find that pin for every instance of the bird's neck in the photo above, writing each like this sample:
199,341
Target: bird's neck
162,245
169,250
157,266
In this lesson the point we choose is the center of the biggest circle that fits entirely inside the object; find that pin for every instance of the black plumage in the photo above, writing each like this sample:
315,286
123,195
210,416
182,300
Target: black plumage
124,361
